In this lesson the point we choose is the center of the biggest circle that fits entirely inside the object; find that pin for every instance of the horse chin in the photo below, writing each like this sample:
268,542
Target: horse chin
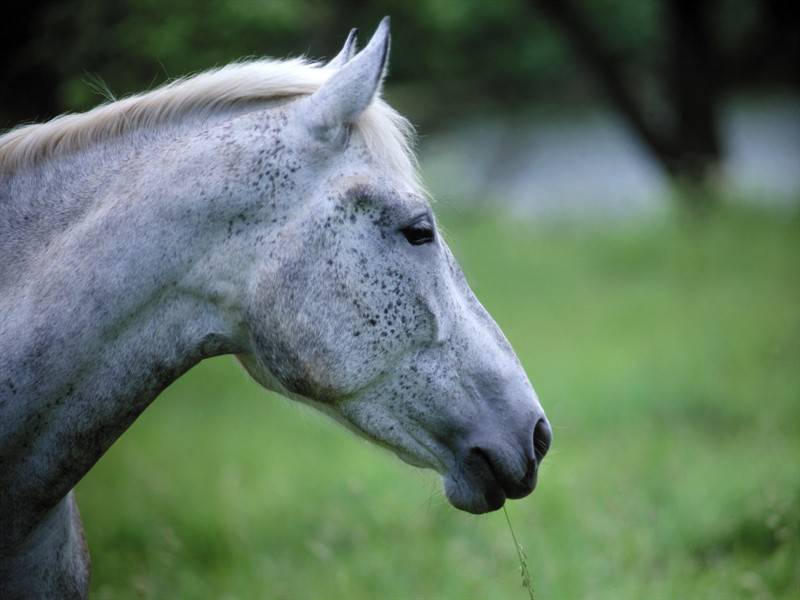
473,495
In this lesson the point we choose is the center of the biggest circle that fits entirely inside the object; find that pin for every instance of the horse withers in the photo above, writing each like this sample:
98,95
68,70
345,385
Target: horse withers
267,209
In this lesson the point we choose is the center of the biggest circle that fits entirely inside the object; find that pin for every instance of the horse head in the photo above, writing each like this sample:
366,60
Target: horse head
362,311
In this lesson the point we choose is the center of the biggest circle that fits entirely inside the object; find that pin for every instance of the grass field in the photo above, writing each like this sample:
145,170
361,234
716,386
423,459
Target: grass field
667,356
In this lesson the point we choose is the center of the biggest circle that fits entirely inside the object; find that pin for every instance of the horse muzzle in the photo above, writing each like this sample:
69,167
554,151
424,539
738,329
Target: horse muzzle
489,469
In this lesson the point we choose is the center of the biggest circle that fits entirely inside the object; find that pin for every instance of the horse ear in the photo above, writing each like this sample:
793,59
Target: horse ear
350,90
347,52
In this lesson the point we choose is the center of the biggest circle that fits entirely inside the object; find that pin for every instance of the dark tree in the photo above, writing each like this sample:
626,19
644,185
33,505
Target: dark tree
29,81
696,73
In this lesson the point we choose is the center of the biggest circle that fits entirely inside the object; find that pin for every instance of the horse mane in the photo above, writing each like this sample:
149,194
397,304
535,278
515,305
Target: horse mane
387,134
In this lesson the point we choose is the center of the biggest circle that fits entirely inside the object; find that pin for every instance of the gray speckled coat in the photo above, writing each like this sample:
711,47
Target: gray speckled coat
270,231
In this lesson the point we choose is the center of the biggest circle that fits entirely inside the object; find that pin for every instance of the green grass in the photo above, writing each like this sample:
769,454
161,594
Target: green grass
667,356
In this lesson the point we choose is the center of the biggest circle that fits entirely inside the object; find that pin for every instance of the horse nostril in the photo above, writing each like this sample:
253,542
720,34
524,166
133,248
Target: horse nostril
542,436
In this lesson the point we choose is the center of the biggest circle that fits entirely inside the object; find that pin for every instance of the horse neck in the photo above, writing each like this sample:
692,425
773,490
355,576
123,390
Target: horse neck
139,287
43,202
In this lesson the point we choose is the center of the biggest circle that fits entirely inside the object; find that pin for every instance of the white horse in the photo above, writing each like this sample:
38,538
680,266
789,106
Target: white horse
268,209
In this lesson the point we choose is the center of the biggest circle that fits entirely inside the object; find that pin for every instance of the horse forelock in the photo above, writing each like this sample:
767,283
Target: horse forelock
387,134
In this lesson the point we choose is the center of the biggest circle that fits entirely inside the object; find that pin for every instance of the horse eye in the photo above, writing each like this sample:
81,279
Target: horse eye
419,232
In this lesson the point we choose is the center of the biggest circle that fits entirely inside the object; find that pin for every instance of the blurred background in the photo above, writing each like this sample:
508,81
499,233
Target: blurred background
621,183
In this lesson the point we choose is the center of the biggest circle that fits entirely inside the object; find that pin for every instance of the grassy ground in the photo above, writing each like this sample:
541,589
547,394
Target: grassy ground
668,359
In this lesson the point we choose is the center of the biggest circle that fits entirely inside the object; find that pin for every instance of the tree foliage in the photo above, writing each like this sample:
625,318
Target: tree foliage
664,63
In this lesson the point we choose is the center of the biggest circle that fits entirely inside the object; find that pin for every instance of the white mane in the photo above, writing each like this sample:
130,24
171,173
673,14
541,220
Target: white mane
387,134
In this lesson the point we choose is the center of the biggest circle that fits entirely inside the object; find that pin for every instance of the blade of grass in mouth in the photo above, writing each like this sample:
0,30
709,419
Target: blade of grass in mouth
523,559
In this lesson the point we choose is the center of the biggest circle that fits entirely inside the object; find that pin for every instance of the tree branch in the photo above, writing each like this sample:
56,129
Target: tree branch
603,67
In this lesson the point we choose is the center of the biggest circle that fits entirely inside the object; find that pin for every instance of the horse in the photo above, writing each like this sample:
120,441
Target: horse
268,209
